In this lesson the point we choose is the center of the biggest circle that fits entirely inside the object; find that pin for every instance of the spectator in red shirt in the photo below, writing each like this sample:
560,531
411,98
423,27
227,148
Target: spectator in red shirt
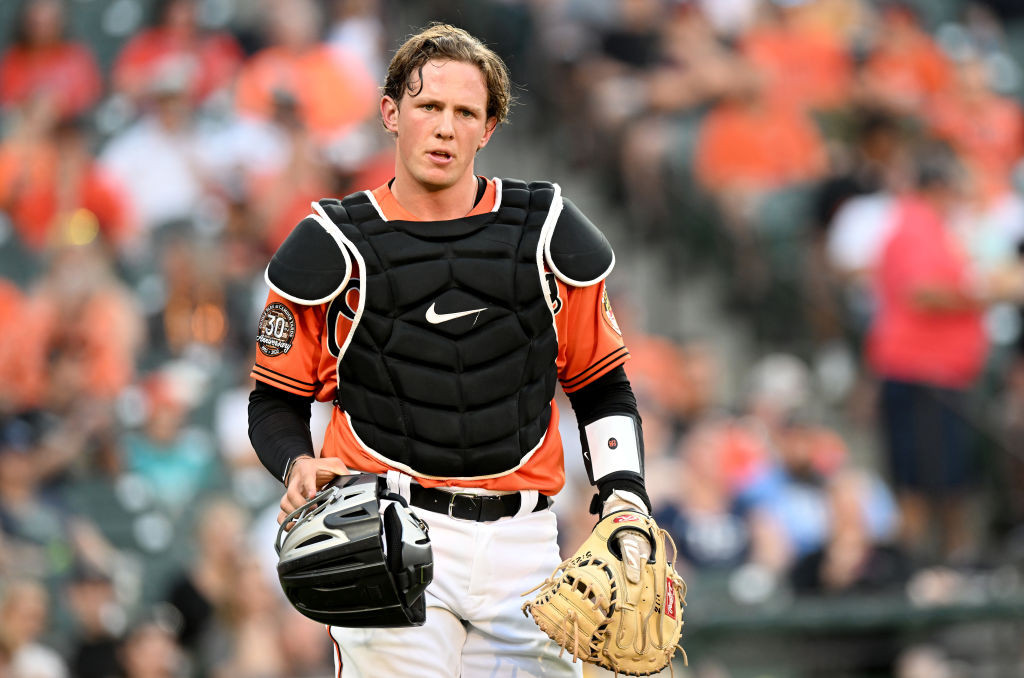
928,345
175,41
43,63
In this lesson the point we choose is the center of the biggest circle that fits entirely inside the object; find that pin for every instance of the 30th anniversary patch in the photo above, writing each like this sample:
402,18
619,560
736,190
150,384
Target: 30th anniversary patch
277,330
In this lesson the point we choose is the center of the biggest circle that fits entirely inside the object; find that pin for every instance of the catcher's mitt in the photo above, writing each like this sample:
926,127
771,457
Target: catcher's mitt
590,608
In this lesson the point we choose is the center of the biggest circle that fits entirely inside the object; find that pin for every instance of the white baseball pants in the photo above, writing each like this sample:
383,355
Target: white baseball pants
475,627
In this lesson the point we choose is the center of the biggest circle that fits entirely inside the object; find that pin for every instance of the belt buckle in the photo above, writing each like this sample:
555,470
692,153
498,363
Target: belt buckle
451,504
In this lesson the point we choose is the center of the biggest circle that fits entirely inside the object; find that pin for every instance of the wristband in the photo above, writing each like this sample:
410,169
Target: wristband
612,444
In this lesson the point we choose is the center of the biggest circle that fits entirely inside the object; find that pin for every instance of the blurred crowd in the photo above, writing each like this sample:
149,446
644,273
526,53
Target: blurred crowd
846,170
850,173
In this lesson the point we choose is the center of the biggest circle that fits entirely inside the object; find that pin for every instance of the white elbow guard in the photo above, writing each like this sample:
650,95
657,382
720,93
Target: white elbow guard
612,444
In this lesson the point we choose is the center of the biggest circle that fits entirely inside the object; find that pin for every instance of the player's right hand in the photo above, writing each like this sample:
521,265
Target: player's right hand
308,475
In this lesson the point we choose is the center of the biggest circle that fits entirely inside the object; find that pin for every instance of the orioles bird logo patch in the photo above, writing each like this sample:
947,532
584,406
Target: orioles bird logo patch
606,311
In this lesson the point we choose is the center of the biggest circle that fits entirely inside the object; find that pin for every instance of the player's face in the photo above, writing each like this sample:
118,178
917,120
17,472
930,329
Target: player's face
440,126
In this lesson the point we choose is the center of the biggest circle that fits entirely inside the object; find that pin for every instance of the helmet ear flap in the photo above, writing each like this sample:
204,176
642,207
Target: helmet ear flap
393,539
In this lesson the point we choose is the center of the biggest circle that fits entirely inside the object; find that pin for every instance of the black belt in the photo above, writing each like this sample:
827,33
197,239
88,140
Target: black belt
482,508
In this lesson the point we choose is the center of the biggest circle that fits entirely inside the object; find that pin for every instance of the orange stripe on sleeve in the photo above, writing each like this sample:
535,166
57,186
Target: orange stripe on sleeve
604,365
589,342
281,381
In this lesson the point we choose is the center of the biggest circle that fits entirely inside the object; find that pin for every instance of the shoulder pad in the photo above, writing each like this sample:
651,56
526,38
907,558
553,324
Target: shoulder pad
333,210
577,252
355,208
312,265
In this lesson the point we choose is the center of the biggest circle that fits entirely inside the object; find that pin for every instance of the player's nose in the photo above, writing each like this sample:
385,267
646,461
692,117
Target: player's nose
446,125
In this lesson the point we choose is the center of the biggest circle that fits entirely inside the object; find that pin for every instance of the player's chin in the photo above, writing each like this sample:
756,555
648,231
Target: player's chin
438,178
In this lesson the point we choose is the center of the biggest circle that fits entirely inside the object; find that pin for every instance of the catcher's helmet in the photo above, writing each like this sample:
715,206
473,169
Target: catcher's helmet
356,556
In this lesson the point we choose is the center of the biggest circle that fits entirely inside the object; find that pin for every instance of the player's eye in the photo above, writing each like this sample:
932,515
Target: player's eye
427,107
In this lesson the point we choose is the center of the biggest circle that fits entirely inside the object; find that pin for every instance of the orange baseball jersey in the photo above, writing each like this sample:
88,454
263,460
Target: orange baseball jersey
294,356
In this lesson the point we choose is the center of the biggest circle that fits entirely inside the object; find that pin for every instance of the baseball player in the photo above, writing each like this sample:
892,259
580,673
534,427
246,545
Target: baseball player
437,312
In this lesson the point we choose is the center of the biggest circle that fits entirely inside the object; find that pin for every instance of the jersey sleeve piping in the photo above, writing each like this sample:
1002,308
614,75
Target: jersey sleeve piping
282,375
597,369
282,381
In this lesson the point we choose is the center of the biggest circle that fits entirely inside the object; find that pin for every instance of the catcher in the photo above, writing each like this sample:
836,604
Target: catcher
437,313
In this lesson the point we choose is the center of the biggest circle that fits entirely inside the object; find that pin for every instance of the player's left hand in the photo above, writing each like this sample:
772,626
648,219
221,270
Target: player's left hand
636,550
633,545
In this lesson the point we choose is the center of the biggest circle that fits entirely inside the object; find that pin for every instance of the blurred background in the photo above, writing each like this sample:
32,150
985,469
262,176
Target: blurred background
816,208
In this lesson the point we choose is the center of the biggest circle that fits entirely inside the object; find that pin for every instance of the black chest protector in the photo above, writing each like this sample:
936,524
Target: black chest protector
450,369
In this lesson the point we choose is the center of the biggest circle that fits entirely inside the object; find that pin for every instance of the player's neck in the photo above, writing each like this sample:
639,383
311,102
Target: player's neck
435,205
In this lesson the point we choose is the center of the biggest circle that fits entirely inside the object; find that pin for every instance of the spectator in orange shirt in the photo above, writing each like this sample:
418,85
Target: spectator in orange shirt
985,128
209,60
52,189
905,69
43,63
743,166
736,158
694,70
89,329
803,63
334,92
21,383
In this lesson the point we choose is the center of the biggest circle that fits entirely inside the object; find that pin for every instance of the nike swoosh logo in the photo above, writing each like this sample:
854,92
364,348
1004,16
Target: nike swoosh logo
435,318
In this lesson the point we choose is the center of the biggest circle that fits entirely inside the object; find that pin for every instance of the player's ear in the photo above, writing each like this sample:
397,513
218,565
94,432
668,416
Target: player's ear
489,128
389,114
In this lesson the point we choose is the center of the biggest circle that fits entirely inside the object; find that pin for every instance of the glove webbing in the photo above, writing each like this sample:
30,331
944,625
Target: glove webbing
607,607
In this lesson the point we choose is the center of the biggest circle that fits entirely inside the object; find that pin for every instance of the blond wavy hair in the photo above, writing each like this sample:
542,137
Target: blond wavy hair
448,43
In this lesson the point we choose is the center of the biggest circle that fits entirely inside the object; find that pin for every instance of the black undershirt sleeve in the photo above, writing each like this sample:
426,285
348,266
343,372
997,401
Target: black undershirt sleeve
279,426
610,394
607,395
